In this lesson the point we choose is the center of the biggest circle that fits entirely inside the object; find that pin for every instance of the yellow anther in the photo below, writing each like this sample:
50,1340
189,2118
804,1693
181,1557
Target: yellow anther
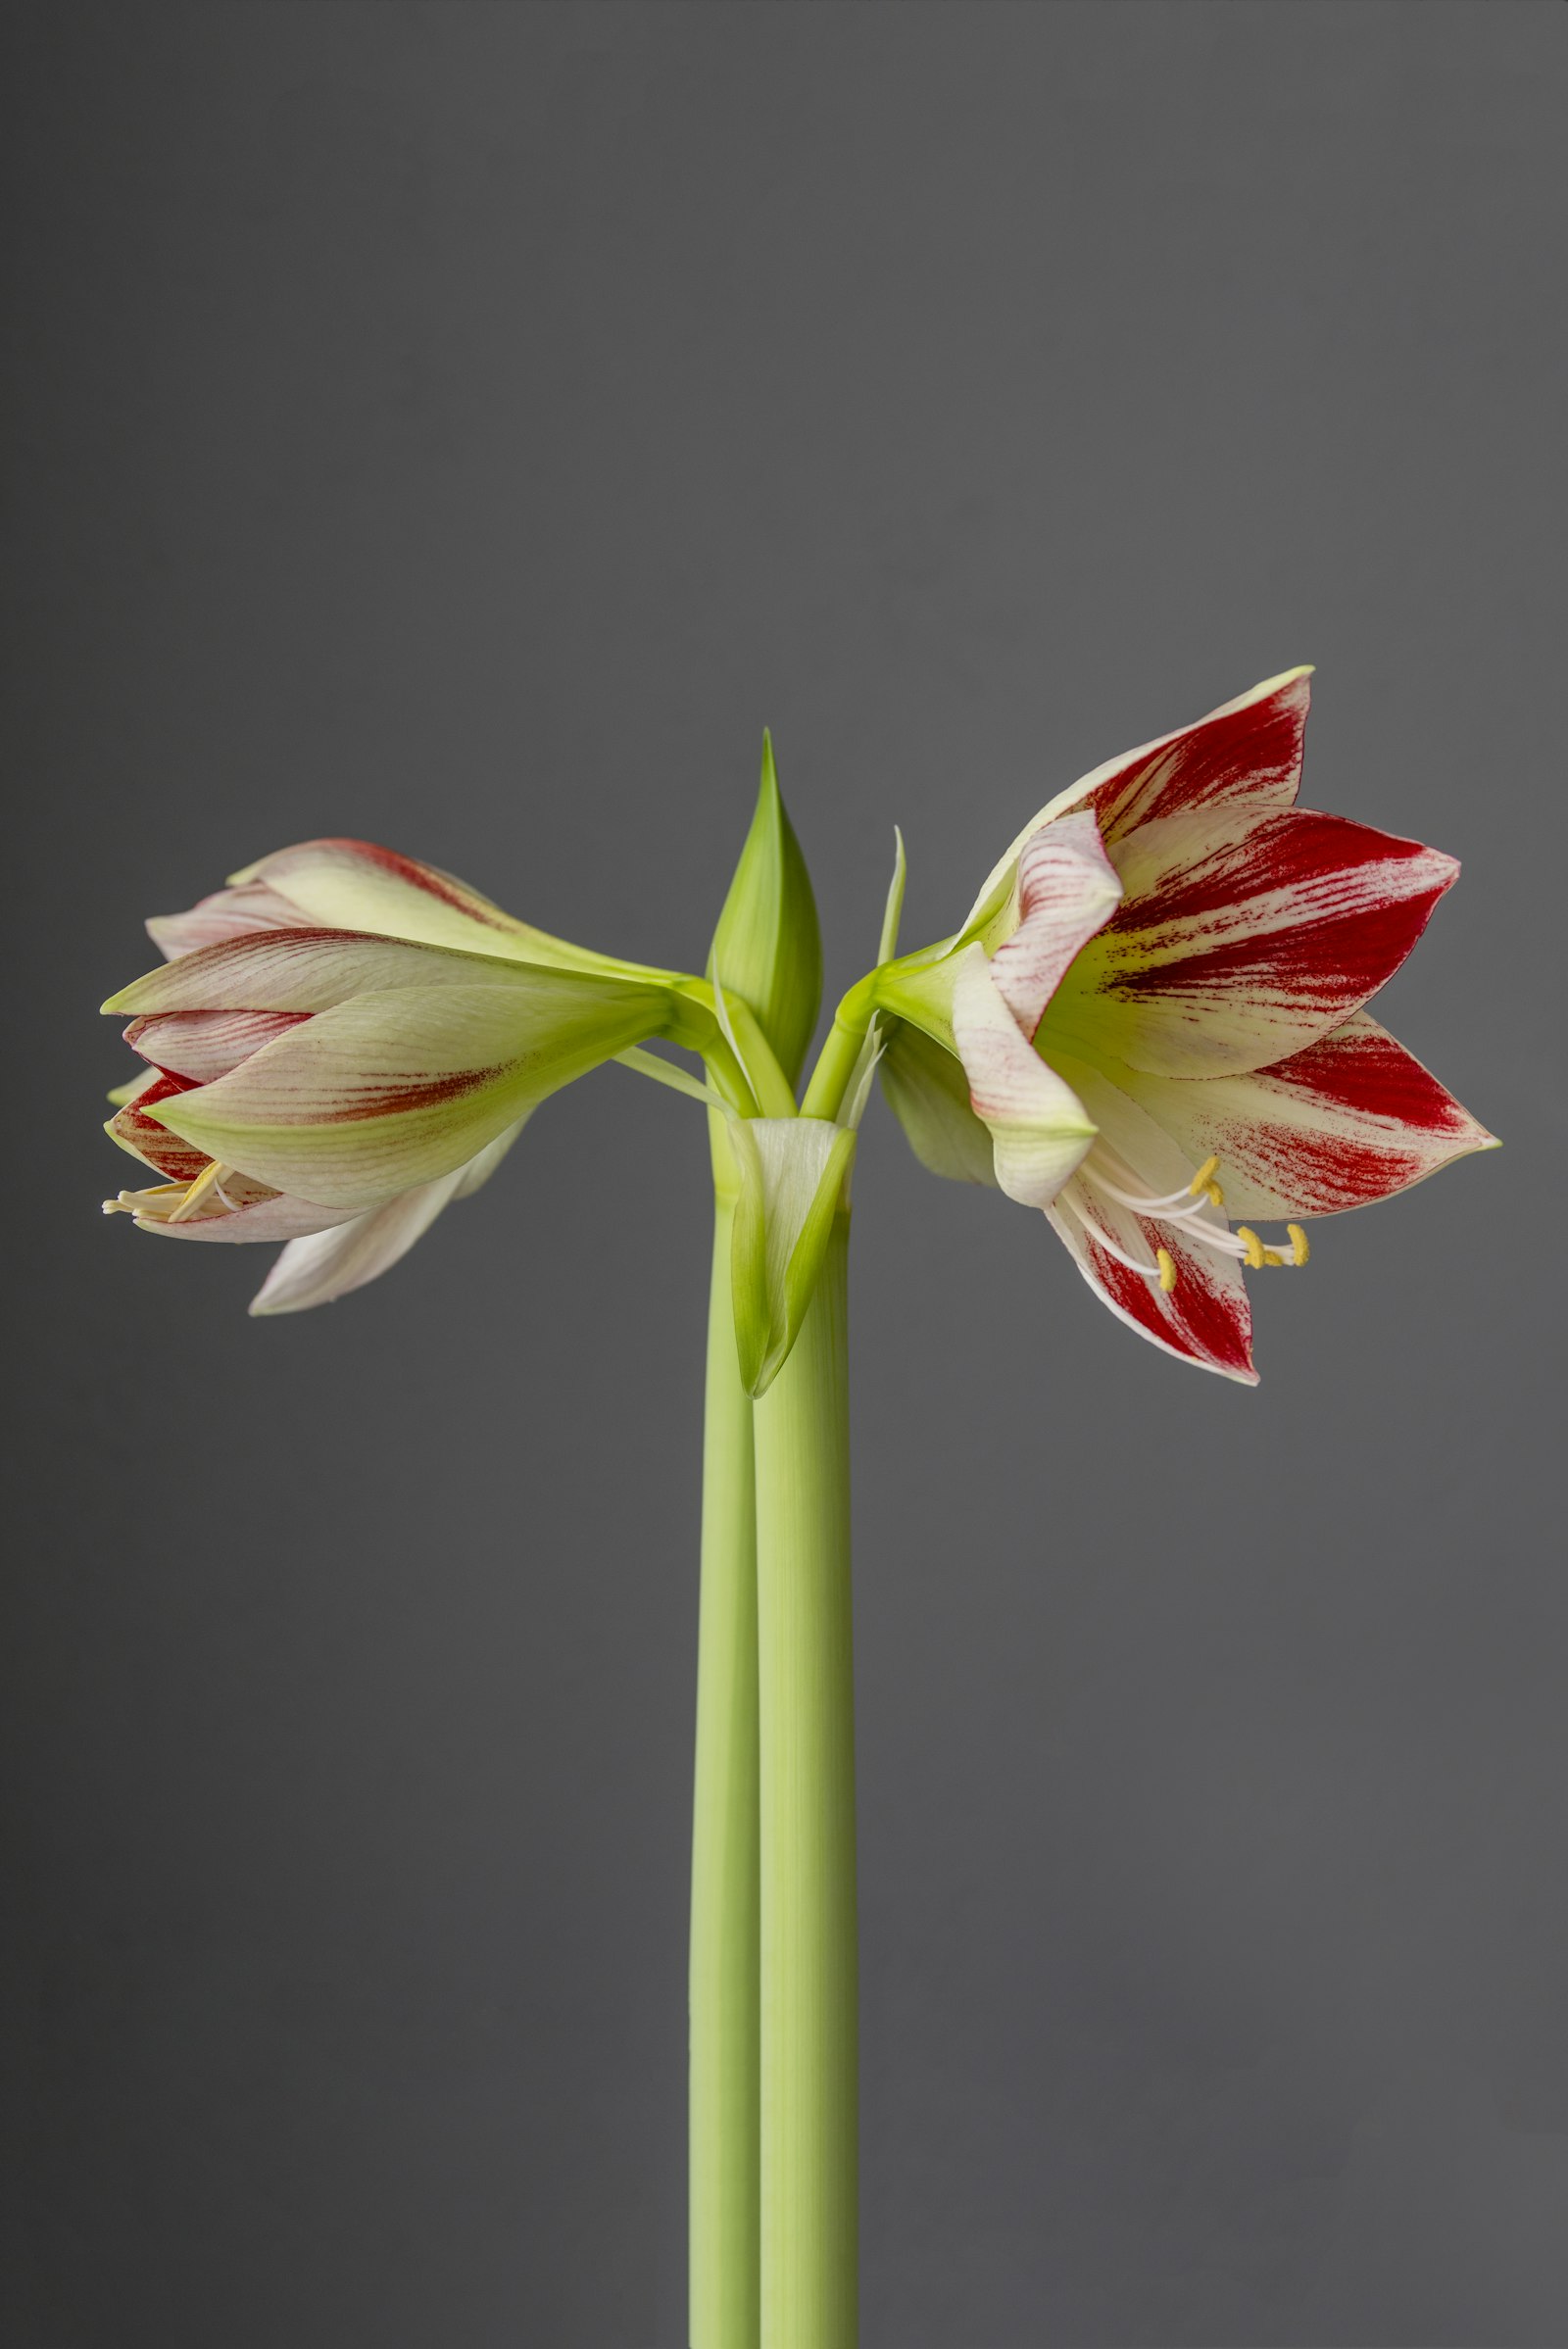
1253,1244
1271,1255
197,1191
1167,1269
1203,1177
1299,1251
1216,1197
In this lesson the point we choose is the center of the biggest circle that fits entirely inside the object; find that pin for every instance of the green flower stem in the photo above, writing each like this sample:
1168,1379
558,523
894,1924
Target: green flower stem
809,1950
830,1077
725,2289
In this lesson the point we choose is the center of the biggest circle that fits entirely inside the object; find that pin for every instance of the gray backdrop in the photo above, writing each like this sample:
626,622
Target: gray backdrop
467,425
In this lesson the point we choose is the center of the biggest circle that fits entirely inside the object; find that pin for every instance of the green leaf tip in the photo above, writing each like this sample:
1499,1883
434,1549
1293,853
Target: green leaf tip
768,945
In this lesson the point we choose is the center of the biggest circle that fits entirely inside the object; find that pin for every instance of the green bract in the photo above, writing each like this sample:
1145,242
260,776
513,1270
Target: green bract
793,1177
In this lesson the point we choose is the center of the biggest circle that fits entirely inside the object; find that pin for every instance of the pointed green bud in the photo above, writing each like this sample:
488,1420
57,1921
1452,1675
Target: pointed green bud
767,949
792,1172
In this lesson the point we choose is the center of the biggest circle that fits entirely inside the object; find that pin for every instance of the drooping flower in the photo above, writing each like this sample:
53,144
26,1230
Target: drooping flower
1153,1021
344,1042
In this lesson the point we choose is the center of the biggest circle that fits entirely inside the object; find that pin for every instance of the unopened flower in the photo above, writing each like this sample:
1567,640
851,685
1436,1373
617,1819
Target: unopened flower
1151,1022
345,1041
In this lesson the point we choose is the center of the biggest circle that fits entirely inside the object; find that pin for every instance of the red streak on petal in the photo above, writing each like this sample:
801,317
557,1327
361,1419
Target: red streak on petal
1205,1323
1323,1174
164,1090
164,1037
1227,760
400,1095
1334,964
424,876
1374,1073
176,1160
1299,851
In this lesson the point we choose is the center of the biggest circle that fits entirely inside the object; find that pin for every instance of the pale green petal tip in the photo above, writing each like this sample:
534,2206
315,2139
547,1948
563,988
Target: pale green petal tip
1276,684
127,998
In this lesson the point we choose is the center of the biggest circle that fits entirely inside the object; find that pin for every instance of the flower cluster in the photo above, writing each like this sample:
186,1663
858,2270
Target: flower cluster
1151,1023
342,1042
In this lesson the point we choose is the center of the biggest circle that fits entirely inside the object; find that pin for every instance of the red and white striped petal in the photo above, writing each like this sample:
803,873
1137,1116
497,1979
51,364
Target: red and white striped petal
304,971
357,885
328,1264
1069,889
397,1088
201,1045
227,913
148,1139
1246,756
1039,1129
134,1087
1238,944
1350,1119
1205,1319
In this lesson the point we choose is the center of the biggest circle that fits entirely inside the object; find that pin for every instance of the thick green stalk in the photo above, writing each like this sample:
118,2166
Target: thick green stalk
809,2154
724,2292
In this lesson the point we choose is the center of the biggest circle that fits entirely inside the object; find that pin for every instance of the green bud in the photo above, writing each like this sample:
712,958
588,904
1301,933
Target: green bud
767,949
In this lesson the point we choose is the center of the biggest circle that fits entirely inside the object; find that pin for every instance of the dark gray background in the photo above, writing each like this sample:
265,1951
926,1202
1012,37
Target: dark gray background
466,426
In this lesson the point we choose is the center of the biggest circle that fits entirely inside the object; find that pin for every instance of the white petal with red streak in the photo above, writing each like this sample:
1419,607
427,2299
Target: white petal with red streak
203,1045
145,1136
1069,889
308,970
1206,1319
227,913
1038,1128
1350,1119
1246,754
1238,944
393,1089
357,885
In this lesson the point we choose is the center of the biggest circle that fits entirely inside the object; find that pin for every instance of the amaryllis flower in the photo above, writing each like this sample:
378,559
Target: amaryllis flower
1151,1023
344,1042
